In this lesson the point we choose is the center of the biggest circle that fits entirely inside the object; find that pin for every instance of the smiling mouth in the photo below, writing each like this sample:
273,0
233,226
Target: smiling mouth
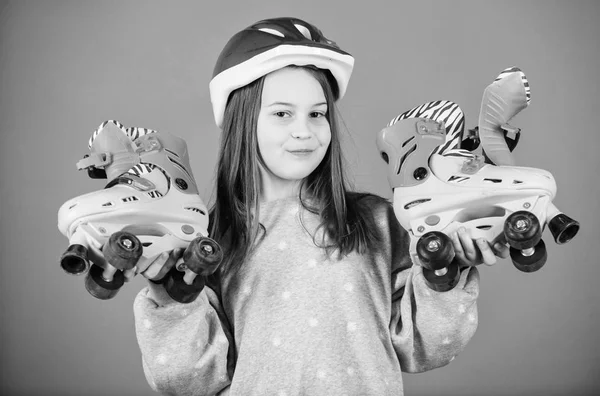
300,152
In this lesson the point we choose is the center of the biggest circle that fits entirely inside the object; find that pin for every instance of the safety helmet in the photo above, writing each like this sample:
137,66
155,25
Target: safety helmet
270,45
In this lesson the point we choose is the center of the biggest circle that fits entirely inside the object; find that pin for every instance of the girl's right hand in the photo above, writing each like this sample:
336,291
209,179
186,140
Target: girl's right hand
157,268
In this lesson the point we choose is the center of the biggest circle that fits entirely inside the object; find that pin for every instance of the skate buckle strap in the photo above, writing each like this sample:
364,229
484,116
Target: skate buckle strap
147,143
510,131
95,160
431,127
134,181
472,165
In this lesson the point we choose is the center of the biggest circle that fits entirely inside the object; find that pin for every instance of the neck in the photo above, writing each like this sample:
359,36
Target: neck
277,189
274,187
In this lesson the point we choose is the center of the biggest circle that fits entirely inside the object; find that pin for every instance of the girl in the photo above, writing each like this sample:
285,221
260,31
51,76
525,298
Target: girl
316,294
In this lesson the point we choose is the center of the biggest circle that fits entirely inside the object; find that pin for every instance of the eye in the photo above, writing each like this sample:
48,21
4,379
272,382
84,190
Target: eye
281,114
317,114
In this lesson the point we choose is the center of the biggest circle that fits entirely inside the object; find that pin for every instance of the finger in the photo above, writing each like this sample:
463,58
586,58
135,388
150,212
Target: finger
97,257
468,245
130,274
153,269
501,247
162,264
459,253
144,262
502,239
487,254
172,260
501,250
141,265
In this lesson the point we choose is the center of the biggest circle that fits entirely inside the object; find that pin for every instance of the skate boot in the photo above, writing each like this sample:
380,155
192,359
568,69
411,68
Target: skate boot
439,187
440,269
150,205
502,100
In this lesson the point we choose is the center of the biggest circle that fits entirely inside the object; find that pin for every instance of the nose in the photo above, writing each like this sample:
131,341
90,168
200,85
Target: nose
302,129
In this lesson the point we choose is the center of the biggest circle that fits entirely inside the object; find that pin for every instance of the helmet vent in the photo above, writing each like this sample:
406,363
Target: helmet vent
272,31
305,32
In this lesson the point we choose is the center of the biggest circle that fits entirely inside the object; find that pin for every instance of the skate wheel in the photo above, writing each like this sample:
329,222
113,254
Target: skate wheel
180,291
203,256
99,287
445,282
529,263
522,230
74,260
122,250
435,250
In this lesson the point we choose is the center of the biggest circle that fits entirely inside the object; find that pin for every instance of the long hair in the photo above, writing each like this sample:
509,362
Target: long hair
346,217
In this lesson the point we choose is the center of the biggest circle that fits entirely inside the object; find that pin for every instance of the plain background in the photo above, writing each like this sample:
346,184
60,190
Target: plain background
66,66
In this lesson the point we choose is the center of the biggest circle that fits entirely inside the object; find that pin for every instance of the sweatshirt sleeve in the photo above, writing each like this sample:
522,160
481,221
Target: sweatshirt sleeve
428,328
184,347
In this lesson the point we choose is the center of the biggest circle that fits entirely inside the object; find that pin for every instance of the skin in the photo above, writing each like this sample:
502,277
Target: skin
293,136
293,132
472,252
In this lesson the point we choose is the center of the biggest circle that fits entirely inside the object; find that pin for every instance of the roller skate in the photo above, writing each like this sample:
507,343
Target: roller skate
150,205
440,186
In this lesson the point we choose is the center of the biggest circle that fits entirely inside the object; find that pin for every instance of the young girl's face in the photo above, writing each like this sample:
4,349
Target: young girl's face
293,132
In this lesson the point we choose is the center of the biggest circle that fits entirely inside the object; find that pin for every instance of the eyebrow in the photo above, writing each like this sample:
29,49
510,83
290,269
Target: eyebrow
291,105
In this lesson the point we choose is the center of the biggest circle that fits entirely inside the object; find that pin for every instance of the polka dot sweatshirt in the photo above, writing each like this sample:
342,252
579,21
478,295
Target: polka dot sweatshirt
295,321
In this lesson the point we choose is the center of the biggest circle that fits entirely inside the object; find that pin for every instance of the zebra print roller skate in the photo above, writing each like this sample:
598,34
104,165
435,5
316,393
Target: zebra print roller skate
150,205
439,187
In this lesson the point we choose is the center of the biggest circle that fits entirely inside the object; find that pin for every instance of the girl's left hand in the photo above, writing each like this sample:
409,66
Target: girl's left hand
474,252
